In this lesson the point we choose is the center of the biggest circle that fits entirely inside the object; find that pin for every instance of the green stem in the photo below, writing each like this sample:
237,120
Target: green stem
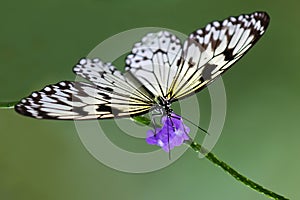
210,156
239,177
235,174
8,105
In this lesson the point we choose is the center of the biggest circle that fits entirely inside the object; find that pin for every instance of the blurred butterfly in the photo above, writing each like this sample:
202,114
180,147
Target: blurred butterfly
159,71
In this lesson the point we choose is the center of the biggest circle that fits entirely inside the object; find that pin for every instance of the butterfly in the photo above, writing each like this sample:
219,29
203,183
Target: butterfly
159,71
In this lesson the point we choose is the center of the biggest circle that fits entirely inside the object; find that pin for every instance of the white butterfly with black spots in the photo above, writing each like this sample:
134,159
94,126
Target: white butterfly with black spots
159,71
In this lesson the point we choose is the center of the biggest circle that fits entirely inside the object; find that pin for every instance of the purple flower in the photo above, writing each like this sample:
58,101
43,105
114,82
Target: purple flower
173,133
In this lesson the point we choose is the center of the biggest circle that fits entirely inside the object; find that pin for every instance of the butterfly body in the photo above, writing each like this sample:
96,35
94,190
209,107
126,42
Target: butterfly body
159,71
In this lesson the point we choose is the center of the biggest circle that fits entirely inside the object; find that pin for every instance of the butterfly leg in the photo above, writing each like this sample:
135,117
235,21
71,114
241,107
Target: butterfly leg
156,114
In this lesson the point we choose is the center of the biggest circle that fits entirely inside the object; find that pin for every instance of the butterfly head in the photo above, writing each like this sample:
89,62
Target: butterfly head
165,105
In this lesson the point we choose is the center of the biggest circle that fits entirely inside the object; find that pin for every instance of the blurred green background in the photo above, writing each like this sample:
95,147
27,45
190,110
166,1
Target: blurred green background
41,41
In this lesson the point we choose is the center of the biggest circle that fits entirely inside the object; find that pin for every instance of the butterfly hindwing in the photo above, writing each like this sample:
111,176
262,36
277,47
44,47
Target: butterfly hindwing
105,75
153,61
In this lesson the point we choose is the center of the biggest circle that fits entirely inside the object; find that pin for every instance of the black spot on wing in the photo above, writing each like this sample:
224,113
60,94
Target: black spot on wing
106,108
228,53
207,71
104,96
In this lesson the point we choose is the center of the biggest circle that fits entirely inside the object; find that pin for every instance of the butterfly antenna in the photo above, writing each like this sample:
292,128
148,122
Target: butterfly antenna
174,129
202,129
169,138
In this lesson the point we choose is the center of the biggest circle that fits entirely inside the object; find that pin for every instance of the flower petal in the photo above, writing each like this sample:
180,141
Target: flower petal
173,133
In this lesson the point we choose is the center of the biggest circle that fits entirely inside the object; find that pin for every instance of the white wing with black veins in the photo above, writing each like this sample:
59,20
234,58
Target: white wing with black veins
153,61
158,68
110,95
174,72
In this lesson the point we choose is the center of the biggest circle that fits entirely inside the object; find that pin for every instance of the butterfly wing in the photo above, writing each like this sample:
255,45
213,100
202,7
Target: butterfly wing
153,61
210,51
111,95
158,66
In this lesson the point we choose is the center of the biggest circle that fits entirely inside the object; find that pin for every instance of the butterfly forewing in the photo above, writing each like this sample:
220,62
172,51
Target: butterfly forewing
110,96
210,51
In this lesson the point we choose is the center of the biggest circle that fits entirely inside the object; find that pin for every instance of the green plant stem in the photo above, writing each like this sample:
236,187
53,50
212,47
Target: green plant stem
235,174
239,177
210,156
8,105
